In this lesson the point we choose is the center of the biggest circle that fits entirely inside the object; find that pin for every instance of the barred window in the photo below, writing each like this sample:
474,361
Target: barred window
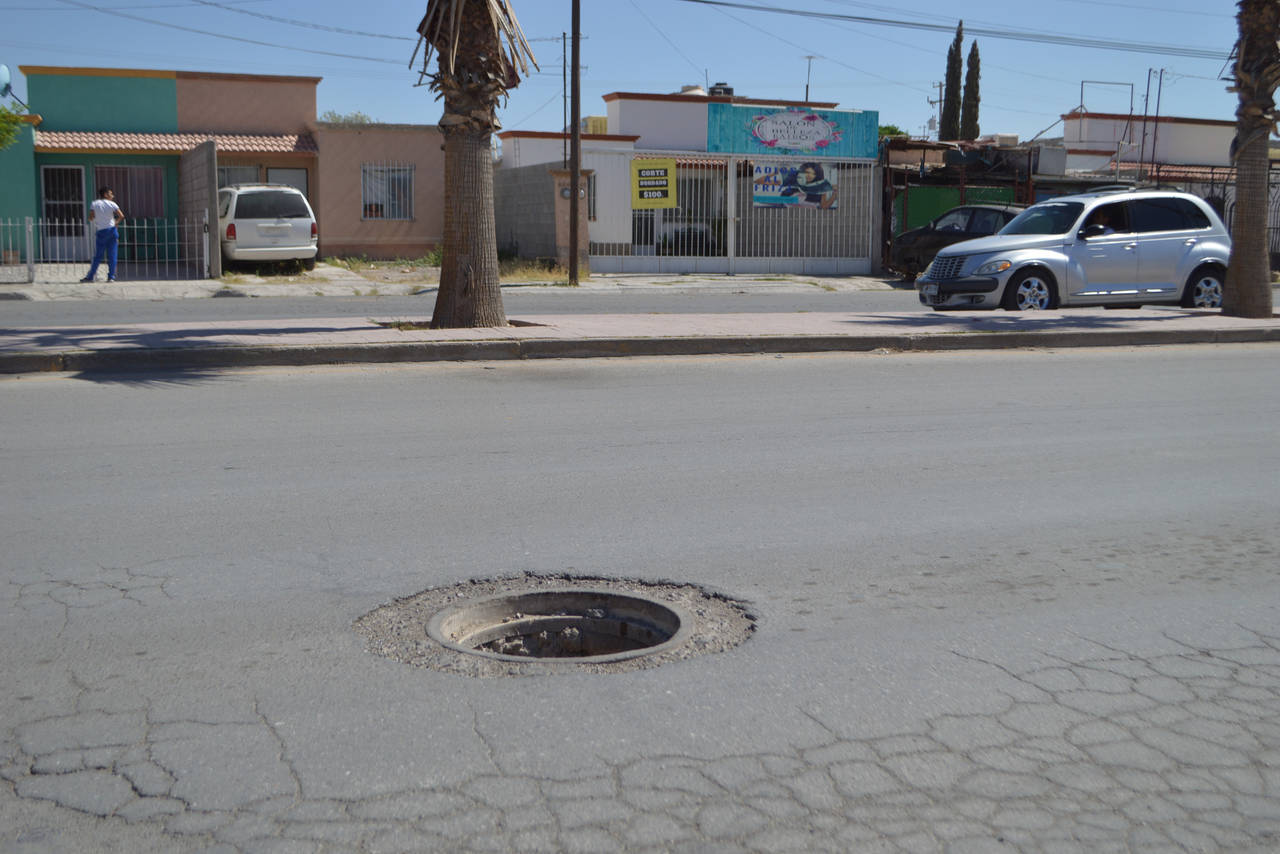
139,189
386,190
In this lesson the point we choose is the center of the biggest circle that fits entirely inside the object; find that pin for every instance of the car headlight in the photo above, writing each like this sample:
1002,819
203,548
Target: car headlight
991,268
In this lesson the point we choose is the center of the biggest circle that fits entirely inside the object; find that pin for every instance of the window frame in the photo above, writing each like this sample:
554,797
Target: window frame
399,209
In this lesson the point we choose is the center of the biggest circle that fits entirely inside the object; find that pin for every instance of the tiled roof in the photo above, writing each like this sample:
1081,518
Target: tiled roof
173,143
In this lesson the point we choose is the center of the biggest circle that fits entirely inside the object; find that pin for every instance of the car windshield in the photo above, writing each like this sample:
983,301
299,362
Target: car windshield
1045,218
270,205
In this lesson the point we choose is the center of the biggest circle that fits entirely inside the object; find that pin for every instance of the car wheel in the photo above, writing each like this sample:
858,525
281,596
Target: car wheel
308,263
1030,290
1204,288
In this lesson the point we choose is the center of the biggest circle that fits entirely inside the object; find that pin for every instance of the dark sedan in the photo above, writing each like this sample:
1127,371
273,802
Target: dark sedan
912,250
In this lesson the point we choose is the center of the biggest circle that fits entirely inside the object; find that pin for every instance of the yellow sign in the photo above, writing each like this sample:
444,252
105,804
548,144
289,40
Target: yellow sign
653,184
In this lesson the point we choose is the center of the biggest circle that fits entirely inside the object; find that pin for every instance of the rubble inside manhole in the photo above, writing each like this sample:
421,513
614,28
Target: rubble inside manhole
529,624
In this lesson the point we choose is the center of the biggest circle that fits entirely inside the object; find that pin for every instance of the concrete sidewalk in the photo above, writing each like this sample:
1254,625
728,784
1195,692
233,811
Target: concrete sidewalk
313,341
332,281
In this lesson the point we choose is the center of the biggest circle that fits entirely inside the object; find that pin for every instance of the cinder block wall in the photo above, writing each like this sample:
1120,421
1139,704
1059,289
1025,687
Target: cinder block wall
524,211
197,196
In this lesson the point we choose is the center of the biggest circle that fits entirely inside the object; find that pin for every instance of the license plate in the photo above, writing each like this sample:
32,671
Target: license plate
929,290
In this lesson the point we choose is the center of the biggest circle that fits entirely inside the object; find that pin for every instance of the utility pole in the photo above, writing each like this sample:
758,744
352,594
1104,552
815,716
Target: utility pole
937,103
807,75
575,149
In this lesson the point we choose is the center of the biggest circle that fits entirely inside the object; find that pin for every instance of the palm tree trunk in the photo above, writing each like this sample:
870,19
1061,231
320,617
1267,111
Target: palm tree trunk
1247,291
469,294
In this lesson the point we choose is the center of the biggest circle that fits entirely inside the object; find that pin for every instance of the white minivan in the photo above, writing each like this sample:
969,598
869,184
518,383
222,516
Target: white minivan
266,222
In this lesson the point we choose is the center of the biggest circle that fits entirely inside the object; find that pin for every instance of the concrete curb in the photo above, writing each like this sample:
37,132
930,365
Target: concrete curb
189,358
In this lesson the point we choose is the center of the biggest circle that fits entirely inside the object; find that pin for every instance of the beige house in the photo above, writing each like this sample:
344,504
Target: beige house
379,189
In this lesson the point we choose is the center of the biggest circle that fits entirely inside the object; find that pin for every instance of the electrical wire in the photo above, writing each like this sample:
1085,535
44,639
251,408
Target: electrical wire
186,5
295,23
665,37
119,14
1011,35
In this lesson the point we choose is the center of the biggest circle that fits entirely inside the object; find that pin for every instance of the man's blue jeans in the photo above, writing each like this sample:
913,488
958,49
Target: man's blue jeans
108,243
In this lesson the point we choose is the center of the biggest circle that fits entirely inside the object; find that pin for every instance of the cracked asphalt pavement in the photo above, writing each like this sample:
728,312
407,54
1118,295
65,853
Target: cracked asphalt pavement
181,671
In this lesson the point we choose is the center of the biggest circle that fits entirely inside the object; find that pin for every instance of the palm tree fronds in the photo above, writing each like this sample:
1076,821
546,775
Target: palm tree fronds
442,24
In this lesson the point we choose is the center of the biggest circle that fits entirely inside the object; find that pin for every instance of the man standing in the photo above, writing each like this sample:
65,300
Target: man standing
105,215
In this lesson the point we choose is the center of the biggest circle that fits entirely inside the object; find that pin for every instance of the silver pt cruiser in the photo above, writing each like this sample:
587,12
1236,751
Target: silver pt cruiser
1118,248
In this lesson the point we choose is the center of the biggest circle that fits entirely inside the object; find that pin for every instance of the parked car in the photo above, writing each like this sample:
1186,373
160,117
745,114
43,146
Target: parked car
911,251
266,222
1117,248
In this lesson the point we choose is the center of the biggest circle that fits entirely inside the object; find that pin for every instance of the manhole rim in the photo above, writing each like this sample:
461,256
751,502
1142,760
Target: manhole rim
681,636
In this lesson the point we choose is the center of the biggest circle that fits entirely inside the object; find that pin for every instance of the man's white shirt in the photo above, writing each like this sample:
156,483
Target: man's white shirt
104,213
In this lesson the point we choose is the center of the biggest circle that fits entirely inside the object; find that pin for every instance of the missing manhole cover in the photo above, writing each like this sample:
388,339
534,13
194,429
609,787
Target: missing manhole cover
554,623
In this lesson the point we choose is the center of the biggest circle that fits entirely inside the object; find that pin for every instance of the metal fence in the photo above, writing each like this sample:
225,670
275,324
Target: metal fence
47,250
730,218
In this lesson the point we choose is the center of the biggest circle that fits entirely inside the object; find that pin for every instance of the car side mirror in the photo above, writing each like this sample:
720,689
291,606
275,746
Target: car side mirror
1095,230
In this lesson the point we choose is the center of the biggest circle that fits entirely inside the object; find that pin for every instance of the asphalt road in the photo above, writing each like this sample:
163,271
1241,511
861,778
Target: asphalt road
1007,601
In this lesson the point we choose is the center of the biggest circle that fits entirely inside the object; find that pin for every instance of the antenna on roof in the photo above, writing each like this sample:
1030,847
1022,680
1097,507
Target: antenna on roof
6,89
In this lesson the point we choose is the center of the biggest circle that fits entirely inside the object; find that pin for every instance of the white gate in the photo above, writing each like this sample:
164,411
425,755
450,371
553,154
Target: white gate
64,235
728,220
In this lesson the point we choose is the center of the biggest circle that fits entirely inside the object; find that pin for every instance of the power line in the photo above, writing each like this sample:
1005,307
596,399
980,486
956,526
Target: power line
119,14
1011,35
292,22
665,37
122,6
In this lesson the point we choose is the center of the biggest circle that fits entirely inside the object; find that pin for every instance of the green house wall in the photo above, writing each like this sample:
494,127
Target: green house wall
117,104
19,196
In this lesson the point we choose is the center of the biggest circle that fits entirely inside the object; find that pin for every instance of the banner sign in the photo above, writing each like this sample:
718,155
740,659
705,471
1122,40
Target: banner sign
653,184
733,129
805,185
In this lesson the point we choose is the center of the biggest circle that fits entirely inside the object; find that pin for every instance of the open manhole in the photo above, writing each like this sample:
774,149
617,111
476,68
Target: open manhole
554,623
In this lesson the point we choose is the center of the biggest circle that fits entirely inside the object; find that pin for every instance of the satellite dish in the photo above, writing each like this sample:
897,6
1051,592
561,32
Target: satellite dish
6,88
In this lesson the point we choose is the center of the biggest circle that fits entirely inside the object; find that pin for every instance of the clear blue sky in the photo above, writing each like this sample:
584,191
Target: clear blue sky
659,45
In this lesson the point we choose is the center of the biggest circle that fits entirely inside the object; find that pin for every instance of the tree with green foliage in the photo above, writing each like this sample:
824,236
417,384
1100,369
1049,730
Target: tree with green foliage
949,126
333,117
969,104
1247,290
11,119
891,130
474,73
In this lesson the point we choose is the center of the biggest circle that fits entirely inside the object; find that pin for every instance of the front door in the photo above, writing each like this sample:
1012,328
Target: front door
63,232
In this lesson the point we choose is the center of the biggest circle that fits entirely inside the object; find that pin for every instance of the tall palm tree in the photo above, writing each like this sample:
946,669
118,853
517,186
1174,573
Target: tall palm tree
482,52
1247,292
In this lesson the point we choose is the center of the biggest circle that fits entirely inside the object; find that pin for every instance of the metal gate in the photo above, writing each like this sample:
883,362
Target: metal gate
63,231
727,221
60,250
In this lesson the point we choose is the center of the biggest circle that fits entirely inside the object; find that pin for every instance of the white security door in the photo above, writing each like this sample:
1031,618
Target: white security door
63,231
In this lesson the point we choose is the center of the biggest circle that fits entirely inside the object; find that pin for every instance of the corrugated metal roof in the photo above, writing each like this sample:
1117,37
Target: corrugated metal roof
172,143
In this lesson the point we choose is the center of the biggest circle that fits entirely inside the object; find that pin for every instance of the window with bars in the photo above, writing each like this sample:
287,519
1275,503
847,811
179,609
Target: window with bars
139,189
386,191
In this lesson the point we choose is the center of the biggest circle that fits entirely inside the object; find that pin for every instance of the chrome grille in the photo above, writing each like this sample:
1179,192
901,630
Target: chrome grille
946,268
